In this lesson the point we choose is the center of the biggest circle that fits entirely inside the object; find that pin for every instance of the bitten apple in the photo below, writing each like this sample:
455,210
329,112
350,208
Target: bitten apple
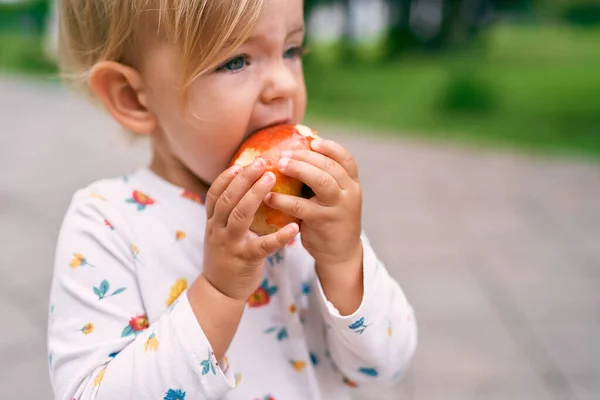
268,144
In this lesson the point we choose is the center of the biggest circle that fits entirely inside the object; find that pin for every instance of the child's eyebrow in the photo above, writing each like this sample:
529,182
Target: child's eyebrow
299,29
292,32
255,38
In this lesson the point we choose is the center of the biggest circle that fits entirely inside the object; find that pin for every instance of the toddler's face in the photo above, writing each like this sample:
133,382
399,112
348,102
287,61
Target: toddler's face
262,84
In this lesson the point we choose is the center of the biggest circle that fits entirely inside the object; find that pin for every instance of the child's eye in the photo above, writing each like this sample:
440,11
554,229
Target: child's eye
233,65
294,52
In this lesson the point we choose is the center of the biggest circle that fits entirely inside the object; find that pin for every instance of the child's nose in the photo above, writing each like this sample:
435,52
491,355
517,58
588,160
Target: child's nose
280,83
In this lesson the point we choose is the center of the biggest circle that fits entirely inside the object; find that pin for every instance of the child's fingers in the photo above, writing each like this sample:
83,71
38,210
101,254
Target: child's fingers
322,184
324,163
266,245
242,215
338,153
295,206
237,189
217,188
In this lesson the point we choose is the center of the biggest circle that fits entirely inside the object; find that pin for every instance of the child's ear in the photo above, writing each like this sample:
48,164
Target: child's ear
122,91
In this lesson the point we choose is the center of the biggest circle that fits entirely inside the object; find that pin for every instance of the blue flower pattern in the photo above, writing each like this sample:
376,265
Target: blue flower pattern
174,394
359,326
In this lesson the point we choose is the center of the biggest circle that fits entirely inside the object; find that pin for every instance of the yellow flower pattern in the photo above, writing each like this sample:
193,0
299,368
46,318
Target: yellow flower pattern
178,287
99,377
87,328
298,365
238,378
225,366
79,261
97,196
151,343
180,235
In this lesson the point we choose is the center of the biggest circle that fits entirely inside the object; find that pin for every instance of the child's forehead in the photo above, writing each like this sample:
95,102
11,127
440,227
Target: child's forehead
267,34
281,19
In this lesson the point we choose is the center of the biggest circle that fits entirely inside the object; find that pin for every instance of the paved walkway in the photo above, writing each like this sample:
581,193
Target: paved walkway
499,254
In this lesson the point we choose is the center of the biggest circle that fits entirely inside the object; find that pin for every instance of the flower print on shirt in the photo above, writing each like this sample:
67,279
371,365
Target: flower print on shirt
172,307
298,365
135,251
174,394
136,325
140,199
195,197
262,296
359,326
350,383
151,343
102,290
207,365
97,196
86,329
368,371
306,288
275,259
109,225
99,377
299,300
282,332
79,261
178,287
180,235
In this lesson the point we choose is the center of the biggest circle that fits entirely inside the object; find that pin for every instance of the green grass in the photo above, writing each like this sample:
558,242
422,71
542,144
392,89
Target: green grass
536,89
24,54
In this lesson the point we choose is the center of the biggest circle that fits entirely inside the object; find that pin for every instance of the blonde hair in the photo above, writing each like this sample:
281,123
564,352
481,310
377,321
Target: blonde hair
203,31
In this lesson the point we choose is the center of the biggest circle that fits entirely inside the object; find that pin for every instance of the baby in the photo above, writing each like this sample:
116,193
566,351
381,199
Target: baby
160,289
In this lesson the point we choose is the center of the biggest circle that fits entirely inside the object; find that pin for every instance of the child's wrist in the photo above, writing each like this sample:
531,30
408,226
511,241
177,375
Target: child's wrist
217,294
217,314
343,283
340,270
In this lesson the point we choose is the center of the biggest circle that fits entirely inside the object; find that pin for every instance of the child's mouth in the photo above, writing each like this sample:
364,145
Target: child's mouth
275,123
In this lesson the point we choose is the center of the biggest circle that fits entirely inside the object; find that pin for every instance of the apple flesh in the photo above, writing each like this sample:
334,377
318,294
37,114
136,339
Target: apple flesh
268,144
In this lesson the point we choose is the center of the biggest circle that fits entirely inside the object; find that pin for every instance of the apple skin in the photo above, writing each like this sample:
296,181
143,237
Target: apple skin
268,143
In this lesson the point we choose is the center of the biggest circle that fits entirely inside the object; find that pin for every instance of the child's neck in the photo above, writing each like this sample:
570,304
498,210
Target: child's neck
179,175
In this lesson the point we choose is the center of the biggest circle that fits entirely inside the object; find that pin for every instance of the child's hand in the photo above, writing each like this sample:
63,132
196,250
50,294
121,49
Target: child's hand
331,220
233,255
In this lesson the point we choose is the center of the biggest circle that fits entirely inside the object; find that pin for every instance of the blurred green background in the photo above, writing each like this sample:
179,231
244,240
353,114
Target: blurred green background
523,74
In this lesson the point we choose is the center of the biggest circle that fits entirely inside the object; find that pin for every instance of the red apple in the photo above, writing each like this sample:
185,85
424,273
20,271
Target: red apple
268,144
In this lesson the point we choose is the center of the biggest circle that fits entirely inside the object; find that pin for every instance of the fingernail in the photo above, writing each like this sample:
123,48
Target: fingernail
258,163
286,154
268,177
236,169
283,163
315,144
292,228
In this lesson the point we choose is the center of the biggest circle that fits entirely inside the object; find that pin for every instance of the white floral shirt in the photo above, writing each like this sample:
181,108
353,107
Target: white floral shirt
121,326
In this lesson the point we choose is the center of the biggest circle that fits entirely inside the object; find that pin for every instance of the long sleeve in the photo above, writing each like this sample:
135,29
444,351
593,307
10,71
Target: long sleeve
100,341
375,345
